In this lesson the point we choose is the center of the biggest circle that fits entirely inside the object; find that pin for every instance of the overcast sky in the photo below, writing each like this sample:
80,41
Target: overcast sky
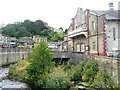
57,13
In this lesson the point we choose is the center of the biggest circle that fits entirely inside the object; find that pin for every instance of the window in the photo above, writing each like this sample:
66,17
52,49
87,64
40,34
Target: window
93,25
114,34
94,46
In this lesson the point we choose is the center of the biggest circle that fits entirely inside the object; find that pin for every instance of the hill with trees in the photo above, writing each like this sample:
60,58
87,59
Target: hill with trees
29,28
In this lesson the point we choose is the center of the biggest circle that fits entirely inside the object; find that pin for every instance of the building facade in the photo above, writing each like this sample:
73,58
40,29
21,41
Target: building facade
106,33
95,32
37,39
77,32
4,41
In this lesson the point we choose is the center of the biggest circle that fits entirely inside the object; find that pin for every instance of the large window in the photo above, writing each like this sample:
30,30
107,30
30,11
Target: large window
93,25
114,35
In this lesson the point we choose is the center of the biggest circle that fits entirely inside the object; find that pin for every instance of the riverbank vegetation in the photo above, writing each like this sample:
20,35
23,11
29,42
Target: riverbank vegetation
39,71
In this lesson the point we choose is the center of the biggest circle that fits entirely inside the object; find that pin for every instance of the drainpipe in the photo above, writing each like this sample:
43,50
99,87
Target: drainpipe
97,37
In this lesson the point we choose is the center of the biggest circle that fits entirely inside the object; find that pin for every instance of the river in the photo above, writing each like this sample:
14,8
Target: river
5,83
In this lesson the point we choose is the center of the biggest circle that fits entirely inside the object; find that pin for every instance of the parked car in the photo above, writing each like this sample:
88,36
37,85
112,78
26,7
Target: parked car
110,54
21,46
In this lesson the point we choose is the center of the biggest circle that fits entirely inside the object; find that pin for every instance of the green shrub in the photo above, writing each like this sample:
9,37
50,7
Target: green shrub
40,65
89,71
18,70
58,78
103,80
76,72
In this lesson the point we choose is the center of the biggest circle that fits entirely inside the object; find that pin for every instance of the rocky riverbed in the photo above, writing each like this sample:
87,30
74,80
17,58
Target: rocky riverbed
5,83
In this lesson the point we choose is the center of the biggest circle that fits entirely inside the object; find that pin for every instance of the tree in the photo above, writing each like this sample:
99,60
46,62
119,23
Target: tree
66,31
61,28
22,32
45,32
29,26
39,26
40,65
9,30
57,36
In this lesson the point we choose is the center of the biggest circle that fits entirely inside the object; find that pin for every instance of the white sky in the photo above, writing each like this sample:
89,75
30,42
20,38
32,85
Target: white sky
57,13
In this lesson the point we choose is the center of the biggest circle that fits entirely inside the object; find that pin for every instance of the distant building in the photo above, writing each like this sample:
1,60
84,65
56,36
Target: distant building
58,30
63,45
53,45
4,40
37,39
12,42
26,41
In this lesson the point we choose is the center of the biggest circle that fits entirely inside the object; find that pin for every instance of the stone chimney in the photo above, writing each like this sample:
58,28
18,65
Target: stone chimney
111,6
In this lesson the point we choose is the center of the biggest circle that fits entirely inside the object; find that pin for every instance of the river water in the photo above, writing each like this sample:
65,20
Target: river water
5,83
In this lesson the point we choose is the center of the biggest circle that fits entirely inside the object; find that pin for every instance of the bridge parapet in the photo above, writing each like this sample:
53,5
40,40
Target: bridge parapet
74,57
68,54
13,50
60,54
8,56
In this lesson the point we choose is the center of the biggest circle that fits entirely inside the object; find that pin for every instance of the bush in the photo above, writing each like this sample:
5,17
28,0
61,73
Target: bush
40,65
18,70
103,80
85,71
77,72
58,78
89,71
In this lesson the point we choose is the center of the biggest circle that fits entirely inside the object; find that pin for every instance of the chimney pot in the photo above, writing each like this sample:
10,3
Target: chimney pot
111,6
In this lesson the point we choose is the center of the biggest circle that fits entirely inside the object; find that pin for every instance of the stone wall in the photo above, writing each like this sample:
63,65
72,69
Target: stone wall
74,57
8,56
111,66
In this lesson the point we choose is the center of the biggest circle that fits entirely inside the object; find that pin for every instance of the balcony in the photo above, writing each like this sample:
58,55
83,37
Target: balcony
78,31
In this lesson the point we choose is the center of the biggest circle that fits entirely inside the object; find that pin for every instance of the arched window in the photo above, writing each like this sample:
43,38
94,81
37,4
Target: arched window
114,35
93,25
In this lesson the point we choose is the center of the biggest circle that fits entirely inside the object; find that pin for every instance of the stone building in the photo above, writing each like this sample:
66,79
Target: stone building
104,32
63,45
38,38
53,45
95,32
77,32
97,36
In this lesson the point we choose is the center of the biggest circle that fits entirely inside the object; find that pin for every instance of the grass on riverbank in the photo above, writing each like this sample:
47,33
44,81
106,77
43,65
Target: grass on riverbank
18,71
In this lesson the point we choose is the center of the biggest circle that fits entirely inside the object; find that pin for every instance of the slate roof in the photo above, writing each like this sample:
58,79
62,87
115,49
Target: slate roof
110,14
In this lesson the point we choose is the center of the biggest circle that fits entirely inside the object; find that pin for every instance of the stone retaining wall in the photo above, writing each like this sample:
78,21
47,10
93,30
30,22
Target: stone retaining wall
9,56
111,65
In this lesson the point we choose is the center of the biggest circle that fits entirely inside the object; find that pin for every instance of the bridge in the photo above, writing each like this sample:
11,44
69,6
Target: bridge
9,56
